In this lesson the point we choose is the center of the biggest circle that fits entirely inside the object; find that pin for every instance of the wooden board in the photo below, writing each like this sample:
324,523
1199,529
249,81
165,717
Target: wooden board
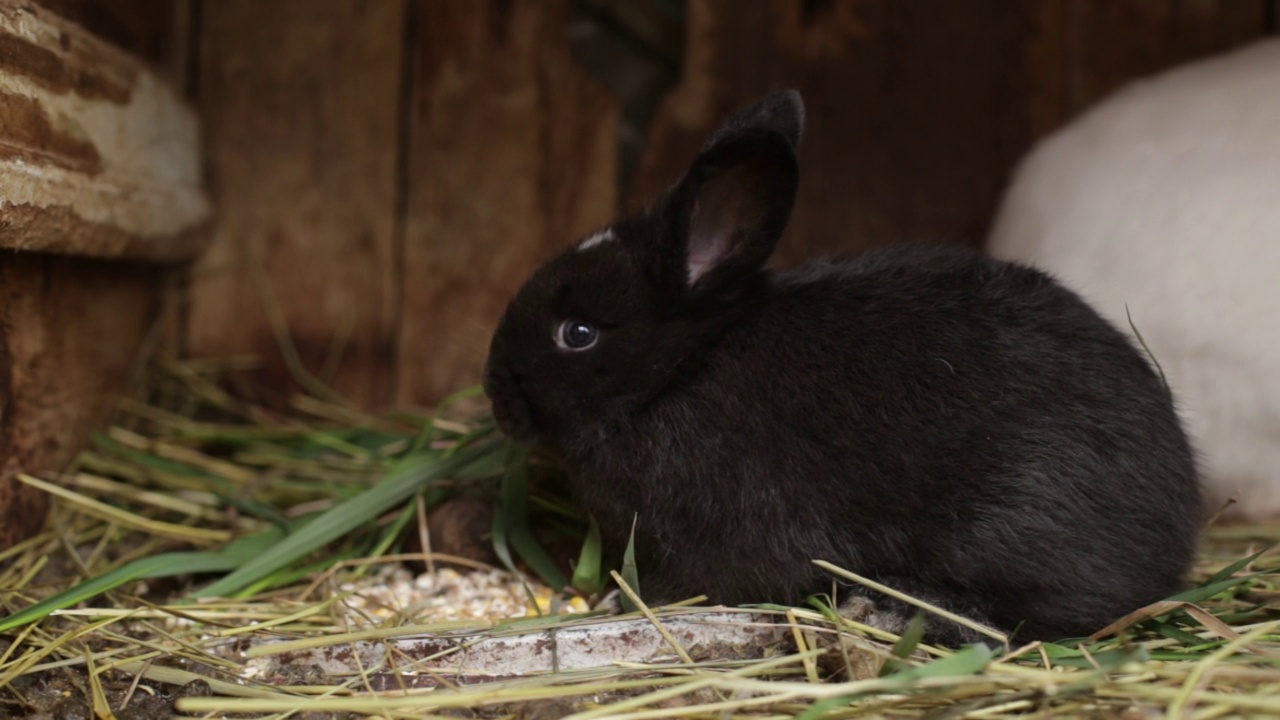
511,152
69,333
300,100
918,110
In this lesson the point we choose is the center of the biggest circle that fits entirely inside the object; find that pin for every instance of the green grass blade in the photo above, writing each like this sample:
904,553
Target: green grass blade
588,576
965,662
1235,567
906,645
515,513
226,491
1204,592
969,661
230,557
824,604
630,573
406,478
502,548
501,545
1173,632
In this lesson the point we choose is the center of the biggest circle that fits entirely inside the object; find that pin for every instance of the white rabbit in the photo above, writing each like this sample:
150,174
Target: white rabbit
1164,200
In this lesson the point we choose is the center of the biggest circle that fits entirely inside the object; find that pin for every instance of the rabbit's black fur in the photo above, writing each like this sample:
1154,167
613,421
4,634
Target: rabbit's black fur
963,429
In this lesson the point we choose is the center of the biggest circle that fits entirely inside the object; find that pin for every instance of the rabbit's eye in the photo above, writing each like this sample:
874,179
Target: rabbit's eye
576,335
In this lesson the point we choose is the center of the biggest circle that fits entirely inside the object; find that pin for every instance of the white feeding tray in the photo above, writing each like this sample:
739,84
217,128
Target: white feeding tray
492,654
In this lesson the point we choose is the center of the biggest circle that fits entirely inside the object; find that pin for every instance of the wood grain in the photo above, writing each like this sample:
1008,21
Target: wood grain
300,101
511,155
69,332
916,110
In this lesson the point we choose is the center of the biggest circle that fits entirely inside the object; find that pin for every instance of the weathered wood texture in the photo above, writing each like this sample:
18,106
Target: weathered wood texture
98,156
300,99
392,171
98,159
919,110
512,153
69,333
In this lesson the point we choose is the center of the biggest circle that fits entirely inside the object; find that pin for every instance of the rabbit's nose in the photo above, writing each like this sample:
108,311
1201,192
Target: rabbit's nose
496,376
501,379
509,402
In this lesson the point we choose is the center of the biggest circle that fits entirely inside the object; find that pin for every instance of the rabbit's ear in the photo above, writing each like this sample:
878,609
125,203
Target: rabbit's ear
726,215
781,111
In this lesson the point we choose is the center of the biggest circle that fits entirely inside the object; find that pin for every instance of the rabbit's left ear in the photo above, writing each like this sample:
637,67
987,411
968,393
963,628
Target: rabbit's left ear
781,111
725,217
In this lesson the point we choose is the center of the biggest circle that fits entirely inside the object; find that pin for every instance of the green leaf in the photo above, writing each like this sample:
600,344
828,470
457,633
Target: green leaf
1204,592
1057,651
291,575
629,572
969,661
1235,567
1106,659
906,645
224,489
910,638
407,477
514,503
236,553
502,548
824,604
588,576
1173,632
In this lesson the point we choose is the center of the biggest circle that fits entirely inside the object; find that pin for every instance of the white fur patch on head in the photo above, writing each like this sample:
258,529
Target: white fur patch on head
597,238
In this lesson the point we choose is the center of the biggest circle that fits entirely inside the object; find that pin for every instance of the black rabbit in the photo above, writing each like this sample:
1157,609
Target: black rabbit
963,429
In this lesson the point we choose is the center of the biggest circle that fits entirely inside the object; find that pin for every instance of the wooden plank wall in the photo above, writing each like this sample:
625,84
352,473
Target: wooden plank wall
71,328
394,169
510,155
918,110
300,101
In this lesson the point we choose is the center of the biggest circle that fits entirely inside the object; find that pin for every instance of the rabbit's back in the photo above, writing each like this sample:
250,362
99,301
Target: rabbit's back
962,429
927,416
1164,203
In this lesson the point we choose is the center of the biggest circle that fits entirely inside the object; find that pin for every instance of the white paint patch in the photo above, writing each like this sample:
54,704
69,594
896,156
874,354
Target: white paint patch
600,237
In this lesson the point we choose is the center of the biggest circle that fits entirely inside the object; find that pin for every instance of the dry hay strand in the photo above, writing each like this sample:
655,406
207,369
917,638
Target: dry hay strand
175,584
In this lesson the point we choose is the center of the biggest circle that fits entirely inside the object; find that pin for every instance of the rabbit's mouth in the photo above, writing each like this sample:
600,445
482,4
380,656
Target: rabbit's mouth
511,407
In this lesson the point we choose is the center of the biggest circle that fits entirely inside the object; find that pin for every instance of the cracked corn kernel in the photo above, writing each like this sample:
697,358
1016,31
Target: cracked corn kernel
448,595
